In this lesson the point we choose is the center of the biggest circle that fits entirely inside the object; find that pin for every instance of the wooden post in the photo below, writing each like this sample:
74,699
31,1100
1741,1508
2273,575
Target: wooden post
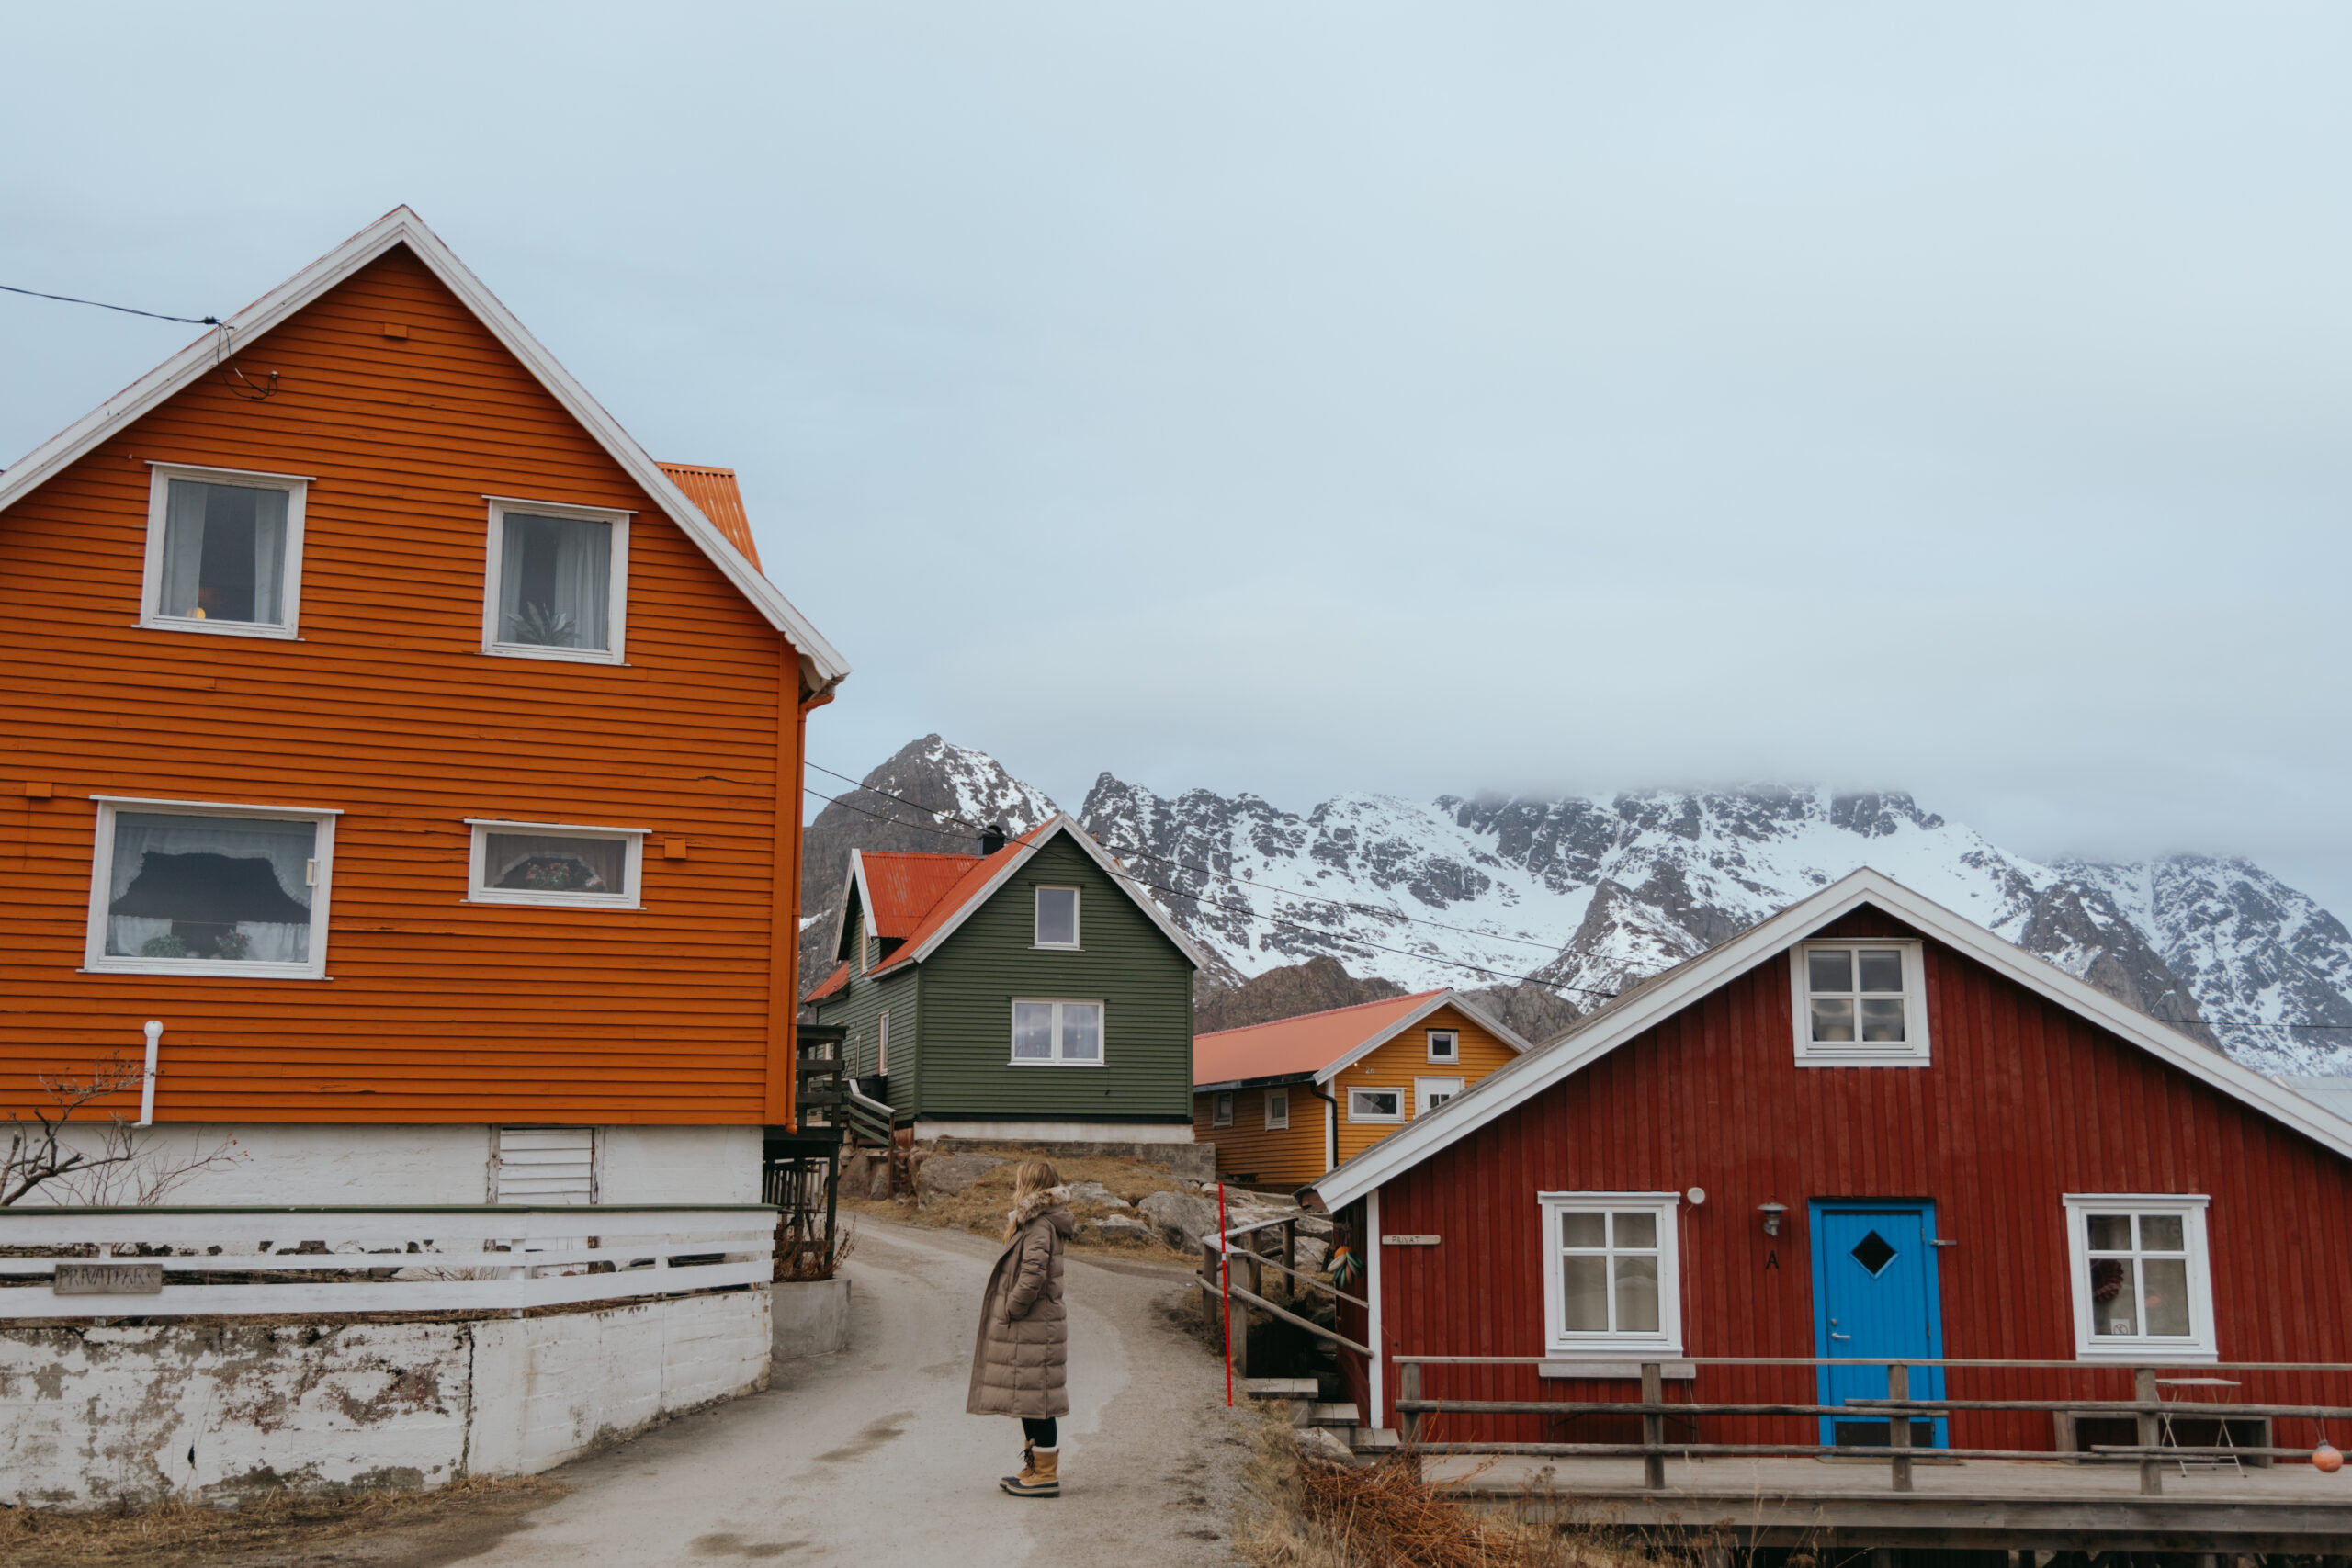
1409,1388
1653,1426
2144,1392
1898,1425
1290,1256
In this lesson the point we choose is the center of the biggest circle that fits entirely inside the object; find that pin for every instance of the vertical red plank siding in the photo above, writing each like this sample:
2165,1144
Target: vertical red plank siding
2024,1102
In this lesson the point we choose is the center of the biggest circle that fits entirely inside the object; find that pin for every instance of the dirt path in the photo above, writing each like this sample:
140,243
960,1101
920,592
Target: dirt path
867,1457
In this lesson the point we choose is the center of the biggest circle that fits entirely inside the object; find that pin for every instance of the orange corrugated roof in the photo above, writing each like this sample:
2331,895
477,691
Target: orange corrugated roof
1298,1046
714,490
831,985
906,887
966,888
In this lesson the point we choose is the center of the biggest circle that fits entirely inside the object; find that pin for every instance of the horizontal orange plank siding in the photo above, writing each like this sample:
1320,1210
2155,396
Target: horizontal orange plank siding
1399,1062
436,1009
1279,1157
1250,1149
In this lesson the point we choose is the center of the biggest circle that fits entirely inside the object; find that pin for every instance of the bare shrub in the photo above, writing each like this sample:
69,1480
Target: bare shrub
119,1164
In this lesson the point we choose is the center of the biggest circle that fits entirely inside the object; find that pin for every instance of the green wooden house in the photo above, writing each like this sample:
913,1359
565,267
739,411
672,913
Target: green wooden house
1030,992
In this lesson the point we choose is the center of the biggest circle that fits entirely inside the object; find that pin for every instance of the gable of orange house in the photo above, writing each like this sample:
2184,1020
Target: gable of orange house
1267,1156
406,412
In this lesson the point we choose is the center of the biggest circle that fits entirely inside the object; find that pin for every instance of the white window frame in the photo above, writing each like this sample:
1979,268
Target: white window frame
632,864
882,1043
1402,1101
1913,1051
151,587
1103,1052
1421,1087
2201,1344
1452,1055
97,960
1221,1109
616,614
1667,1341
1277,1121
1036,919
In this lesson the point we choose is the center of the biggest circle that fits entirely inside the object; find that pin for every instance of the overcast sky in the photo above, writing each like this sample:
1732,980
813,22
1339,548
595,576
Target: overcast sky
1310,399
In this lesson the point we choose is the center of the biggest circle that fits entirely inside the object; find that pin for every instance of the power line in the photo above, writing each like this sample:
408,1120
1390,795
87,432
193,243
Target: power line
1211,871
1477,969
100,304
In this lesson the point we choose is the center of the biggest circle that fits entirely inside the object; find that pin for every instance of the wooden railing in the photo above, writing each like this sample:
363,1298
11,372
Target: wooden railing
2144,1406
181,1262
1221,1259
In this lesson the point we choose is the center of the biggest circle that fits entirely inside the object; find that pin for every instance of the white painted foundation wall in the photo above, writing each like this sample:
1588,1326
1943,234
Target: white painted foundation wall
94,1415
407,1165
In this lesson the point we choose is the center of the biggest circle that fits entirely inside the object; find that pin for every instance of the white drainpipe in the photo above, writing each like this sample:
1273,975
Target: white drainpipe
147,1089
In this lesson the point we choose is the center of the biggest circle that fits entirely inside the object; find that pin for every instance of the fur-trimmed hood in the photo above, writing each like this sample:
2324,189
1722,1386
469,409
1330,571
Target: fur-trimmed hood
1053,1202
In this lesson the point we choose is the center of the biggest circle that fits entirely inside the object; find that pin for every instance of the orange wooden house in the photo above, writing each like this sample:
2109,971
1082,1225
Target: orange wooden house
1287,1102
419,753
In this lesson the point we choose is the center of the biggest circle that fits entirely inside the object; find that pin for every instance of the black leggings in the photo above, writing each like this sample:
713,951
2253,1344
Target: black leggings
1041,1433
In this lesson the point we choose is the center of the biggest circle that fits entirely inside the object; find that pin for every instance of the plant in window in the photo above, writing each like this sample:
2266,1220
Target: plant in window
232,944
543,626
167,945
554,873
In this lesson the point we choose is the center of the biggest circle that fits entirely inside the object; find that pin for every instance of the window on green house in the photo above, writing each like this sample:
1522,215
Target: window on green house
1056,917
1057,1033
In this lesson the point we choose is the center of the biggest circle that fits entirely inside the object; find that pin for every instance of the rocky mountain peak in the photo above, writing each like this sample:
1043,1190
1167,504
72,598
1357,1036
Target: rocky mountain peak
1550,903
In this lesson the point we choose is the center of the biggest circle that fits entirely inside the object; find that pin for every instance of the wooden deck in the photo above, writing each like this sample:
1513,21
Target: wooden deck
2008,1504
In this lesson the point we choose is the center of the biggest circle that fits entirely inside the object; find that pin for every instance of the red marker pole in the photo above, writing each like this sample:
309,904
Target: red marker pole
1224,1281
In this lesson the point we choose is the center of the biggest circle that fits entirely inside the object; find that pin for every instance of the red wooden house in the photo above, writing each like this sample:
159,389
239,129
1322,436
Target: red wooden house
1865,1127
424,757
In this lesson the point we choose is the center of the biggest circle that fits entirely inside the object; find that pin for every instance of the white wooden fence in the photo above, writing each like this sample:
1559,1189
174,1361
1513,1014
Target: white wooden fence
180,1262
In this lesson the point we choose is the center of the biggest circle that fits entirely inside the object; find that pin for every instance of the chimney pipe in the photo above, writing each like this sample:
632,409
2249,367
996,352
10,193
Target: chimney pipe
991,838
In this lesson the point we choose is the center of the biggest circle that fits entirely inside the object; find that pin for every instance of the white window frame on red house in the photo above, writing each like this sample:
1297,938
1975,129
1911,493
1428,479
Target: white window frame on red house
2201,1343
1613,1345
97,960
1221,1109
1911,1051
151,587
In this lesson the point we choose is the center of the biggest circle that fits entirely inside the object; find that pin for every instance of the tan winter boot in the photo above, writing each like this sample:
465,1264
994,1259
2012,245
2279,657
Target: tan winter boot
1041,1477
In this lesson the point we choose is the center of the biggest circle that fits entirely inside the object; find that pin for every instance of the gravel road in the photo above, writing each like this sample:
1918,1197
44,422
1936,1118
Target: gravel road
866,1457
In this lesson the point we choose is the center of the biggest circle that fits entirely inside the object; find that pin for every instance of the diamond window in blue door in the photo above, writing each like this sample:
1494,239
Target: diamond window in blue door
1875,1298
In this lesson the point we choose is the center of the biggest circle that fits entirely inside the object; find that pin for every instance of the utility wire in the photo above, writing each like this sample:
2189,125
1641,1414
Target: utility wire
150,315
1141,853
1481,970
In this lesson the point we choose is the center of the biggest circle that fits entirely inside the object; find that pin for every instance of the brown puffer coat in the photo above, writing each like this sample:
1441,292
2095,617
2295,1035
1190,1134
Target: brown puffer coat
1018,1356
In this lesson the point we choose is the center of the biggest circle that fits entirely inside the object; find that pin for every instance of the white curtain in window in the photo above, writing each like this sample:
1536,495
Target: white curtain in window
545,862
286,849
555,583
224,553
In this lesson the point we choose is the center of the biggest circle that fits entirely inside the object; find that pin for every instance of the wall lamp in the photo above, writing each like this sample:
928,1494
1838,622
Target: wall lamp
1771,1212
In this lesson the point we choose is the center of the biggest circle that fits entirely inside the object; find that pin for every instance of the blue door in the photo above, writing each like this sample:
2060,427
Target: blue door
1874,1295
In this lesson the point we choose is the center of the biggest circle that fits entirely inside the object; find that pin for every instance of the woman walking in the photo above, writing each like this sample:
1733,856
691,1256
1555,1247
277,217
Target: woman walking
1017,1361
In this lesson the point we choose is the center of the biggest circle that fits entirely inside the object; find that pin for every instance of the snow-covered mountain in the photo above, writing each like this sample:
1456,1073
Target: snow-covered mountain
1586,895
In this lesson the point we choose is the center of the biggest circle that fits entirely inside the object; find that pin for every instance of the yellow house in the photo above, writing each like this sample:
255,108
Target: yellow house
1286,1101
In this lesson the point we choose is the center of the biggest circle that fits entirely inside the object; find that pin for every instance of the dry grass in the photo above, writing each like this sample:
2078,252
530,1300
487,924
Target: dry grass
981,1207
182,1532
1381,1515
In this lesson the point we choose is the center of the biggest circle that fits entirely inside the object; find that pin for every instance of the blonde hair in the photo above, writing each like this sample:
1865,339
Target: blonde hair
1029,1179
